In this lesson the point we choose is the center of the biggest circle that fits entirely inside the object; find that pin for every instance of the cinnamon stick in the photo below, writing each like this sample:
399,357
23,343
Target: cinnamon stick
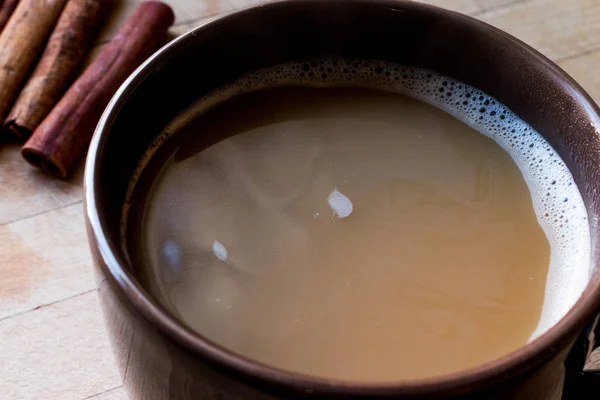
62,138
6,10
20,44
66,48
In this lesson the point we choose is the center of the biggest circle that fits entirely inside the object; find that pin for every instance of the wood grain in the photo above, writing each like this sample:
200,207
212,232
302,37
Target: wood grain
585,71
494,4
43,260
54,273
182,28
25,192
60,352
114,394
462,6
557,28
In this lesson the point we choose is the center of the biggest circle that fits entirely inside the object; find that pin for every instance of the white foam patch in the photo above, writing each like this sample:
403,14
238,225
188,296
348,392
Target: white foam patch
557,201
219,251
340,204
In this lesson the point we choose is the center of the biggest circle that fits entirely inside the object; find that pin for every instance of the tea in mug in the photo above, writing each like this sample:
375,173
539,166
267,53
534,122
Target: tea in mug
358,220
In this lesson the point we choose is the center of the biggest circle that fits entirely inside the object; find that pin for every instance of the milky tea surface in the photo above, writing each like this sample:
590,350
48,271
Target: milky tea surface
360,221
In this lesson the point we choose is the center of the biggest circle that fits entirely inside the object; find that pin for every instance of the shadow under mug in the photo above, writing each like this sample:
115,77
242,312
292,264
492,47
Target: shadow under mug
159,358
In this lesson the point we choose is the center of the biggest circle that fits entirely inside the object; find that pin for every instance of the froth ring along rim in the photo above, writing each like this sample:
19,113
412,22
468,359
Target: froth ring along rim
114,266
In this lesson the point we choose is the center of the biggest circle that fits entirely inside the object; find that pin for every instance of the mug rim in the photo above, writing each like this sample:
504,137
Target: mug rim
116,269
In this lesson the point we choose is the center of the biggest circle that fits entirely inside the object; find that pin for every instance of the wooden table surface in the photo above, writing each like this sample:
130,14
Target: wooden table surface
53,344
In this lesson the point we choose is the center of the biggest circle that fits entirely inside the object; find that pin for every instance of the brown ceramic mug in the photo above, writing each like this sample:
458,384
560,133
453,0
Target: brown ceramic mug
159,358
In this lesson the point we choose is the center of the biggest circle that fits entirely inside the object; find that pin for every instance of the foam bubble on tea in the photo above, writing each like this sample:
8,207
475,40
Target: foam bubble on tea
358,220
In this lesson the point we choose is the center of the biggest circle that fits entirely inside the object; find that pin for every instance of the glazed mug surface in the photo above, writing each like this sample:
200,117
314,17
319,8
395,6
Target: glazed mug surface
161,359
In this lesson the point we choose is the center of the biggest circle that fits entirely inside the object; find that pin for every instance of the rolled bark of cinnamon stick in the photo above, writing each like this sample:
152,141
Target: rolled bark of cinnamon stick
62,138
21,42
66,48
6,10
